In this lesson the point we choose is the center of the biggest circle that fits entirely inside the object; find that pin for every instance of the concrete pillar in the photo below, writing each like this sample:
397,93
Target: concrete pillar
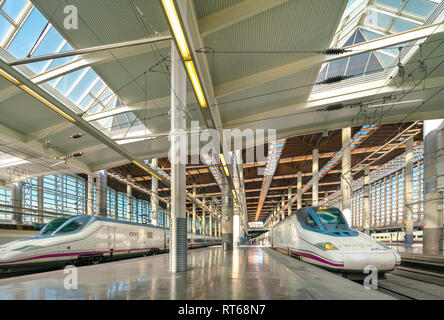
315,170
128,199
40,199
193,225
299,192
289,201
154,198
17,202
211,218
408,188
178,226
168,213
346,177
366,199
116,205
204,220
227,218
433,214
90,196
101,193
283,207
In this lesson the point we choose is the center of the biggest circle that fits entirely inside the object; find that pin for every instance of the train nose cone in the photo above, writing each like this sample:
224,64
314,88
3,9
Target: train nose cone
383,261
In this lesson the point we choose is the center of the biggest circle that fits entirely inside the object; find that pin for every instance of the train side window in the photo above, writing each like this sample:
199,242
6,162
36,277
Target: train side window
73,226
306,219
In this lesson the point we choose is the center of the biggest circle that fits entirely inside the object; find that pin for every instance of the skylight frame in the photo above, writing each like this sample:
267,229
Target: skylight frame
53,83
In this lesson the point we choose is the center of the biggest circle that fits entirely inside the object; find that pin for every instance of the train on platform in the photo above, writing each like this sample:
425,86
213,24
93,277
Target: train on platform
88,239
321,235
397,236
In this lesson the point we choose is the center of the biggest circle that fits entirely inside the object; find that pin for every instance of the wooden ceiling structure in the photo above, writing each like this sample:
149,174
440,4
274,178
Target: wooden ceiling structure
296,156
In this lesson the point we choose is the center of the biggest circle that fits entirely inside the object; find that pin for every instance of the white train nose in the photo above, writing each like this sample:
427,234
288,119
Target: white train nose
384,261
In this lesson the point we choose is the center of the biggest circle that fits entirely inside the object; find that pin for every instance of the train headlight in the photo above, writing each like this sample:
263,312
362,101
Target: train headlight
326,246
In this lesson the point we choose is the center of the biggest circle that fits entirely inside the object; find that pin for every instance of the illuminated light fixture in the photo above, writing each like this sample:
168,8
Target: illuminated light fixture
8,77
143,168
176,27
224,164
394,103
196,84
173,18
46,102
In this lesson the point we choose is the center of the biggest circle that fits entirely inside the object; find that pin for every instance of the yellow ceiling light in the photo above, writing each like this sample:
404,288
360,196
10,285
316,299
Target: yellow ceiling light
46,102
173,18
145,169
224,164
195,82
222,159
7,76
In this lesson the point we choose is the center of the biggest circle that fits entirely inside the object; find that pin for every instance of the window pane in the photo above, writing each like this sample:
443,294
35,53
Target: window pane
13,8
5,26
420,7
28,35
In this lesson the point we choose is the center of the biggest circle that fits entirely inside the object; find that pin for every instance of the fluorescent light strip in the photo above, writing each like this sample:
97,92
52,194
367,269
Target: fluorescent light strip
393,103
196,84
46,102
173,18
143,168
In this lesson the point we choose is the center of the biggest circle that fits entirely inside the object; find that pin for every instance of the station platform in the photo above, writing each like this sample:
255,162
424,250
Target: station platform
245,273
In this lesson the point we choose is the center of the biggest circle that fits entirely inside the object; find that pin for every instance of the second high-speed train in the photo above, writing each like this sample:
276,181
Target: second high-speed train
321,235
87,238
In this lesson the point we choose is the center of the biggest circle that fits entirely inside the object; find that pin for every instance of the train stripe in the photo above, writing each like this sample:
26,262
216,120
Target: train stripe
67,254
314,257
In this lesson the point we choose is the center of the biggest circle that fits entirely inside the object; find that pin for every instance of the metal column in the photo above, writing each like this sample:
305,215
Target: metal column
433,219
315,176
408,180
211,218
17,202
178,227
283,207
346,177
101,193
299,199
90,196
227,217
204,222
40,199
194,212
128,199
366,199
154,198
289,200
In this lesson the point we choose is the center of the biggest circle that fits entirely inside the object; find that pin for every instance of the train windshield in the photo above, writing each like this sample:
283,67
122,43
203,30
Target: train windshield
52,226
331,218
72,225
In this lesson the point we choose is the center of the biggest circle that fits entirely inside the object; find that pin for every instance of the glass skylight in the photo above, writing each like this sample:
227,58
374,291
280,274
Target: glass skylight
25,32
368,20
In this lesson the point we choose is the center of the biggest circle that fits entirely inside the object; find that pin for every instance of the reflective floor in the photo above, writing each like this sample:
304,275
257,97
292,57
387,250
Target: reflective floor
246,273
414,248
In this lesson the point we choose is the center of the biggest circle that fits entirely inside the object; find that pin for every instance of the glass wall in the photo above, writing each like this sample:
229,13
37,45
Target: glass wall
387,199
66,195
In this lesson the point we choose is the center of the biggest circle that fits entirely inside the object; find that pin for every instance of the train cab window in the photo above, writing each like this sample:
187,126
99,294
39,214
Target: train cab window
73,225
52,226
331,218
306,219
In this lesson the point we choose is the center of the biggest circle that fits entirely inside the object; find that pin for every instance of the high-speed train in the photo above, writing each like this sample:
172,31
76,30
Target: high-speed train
87,239
320,235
